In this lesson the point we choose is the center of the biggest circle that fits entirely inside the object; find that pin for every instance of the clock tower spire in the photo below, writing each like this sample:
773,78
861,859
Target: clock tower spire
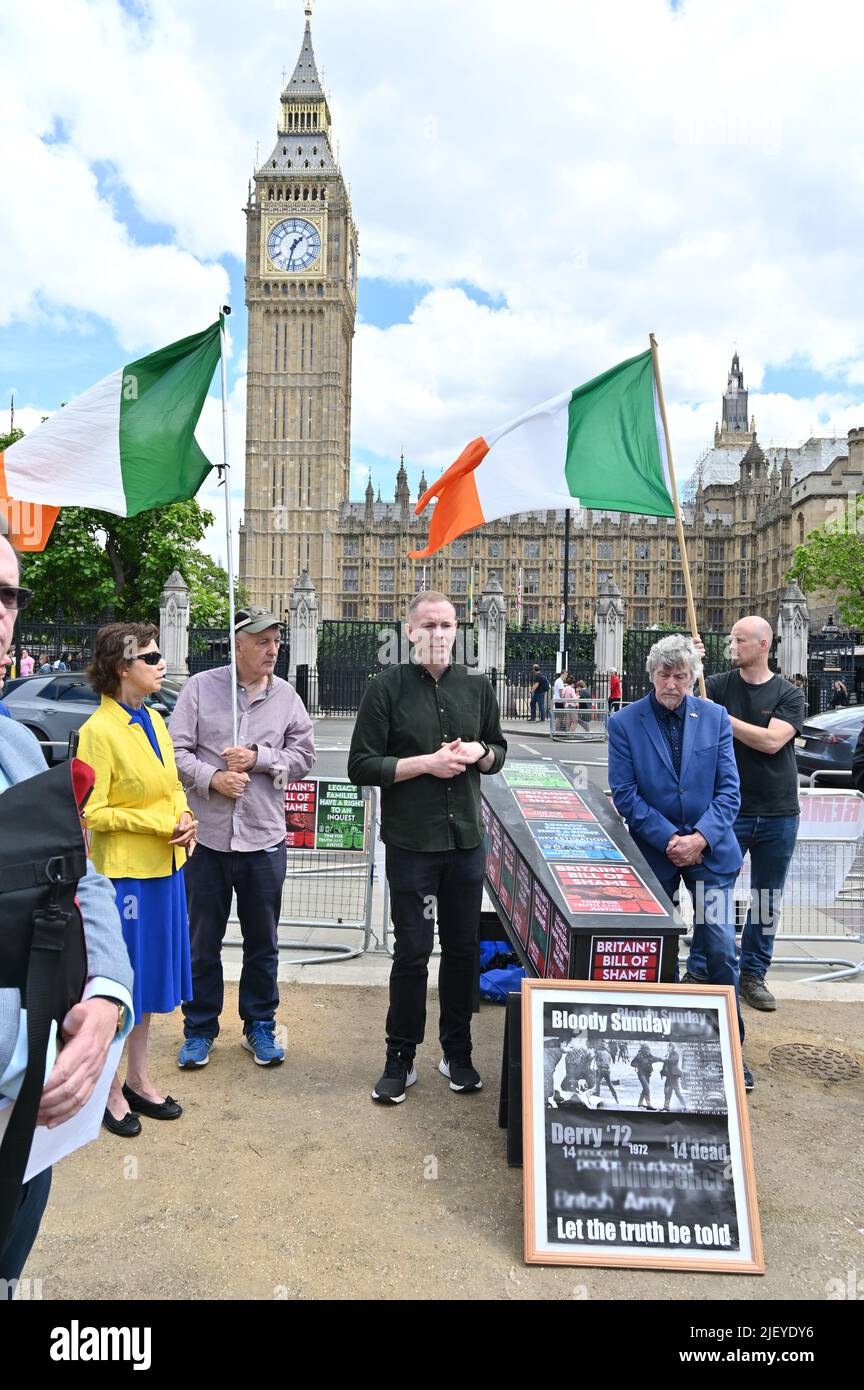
301,284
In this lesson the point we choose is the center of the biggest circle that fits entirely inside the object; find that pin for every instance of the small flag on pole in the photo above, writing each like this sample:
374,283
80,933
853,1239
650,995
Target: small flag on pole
125,445
601,446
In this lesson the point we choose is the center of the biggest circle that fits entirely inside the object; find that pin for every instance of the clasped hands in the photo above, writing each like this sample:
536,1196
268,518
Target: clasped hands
185,833
240,762
453,758
685,850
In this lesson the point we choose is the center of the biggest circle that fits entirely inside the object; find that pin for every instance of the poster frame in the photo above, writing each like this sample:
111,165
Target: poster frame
751,1259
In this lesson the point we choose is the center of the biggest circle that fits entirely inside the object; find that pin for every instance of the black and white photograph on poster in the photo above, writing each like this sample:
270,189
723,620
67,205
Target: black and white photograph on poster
636,1134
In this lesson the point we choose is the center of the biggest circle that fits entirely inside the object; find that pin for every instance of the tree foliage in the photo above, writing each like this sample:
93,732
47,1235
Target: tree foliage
832,557
95,561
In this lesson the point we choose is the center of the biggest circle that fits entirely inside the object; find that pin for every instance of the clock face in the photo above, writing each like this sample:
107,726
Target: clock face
351,265
294,244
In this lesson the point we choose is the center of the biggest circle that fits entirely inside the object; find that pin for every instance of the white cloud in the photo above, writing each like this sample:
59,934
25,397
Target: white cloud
608,170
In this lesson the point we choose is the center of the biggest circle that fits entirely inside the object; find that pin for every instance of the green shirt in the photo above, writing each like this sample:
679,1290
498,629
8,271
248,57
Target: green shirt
406,713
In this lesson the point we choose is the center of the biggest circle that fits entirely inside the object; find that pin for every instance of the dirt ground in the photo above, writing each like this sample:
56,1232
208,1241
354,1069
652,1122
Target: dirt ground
289,1183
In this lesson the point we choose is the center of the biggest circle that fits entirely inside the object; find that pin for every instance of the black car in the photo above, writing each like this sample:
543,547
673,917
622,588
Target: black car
56,704
827,742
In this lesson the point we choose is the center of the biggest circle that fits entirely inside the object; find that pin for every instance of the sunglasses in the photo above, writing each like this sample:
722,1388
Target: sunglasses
151,658
14,598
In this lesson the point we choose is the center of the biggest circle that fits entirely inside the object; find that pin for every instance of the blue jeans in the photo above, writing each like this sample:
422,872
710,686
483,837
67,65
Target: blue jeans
538,701
771,842
25,1227
256,876
713,950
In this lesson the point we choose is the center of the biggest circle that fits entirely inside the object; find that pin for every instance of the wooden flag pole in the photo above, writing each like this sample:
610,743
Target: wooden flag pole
679,524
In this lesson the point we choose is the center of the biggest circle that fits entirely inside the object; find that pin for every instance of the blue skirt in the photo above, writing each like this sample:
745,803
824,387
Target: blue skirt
156,932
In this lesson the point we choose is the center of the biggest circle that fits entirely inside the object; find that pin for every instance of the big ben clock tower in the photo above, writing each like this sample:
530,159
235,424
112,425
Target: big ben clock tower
301,287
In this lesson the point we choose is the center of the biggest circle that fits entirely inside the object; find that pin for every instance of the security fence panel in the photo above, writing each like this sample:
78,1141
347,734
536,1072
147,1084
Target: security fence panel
331,832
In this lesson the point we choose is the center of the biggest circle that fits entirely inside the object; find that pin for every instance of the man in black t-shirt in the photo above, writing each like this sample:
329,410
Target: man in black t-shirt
767,712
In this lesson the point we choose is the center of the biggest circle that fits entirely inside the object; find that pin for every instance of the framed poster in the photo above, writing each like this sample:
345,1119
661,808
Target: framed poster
636,1133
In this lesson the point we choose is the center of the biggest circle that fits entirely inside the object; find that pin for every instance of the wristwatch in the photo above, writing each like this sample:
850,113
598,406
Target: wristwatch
486,750
121,1010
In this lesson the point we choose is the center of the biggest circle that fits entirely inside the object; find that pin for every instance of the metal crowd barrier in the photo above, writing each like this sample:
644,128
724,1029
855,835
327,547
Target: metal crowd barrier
823,900
572,723
327,890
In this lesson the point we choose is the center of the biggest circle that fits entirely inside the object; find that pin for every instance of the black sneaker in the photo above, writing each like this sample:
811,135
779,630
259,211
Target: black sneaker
748,1077
398,1074
688,979
753,990
460,1073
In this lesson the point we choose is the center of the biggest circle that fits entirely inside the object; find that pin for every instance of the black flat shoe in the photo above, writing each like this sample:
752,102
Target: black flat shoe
128,1127
168,1109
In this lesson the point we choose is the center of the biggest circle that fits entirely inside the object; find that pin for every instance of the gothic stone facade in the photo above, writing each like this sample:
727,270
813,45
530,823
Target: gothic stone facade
744,514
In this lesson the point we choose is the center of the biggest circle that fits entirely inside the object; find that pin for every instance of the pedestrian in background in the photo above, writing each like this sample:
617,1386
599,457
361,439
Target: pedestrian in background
840,696
539,691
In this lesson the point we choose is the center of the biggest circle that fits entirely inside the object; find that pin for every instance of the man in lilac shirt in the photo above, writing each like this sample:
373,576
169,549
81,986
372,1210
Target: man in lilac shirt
237,794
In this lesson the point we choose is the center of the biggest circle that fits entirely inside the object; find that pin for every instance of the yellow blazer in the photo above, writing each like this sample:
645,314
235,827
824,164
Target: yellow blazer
136,801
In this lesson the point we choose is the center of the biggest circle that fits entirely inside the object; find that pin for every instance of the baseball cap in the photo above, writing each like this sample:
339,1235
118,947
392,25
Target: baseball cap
254,619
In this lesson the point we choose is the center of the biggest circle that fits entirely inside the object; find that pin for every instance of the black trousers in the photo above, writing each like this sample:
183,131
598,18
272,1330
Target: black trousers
425,886
256,876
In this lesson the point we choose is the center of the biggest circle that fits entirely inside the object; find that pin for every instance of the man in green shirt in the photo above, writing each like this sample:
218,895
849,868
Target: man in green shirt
425,731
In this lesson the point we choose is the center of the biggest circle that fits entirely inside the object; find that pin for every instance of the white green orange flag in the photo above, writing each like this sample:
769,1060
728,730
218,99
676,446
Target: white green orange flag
601,446
125,445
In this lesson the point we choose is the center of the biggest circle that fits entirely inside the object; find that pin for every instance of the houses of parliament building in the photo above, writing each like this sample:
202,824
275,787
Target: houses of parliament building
745,509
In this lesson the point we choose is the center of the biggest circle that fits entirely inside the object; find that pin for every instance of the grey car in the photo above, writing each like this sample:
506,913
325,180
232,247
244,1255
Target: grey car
56,704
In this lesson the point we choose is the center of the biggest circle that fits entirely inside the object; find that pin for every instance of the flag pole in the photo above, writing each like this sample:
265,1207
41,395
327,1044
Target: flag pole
679,524
229,537
565,599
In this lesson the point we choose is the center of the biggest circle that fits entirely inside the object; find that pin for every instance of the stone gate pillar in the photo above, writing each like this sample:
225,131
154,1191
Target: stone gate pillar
491,620
174,626
793,630
609,629
303,610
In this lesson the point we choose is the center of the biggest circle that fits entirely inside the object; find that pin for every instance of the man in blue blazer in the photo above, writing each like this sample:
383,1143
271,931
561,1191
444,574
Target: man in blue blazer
674,780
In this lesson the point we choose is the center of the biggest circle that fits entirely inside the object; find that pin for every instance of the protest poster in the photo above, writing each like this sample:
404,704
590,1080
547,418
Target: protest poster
635,1128
534,774
325,814
508,875
538,936
558,958
609,888
522,901
341,821
589,843
628,958
300,814
548,803
493,858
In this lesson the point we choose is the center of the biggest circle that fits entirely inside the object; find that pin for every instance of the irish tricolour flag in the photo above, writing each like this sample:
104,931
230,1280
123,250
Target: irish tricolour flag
601,446
124,446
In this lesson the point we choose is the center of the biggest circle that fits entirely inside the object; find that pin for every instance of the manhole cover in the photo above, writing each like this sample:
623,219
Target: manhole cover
825,1063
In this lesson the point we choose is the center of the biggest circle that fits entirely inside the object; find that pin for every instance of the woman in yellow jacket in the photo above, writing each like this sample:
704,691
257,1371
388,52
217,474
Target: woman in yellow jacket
141,830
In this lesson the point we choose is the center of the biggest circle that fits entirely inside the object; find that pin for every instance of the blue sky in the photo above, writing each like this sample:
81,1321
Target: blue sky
692,177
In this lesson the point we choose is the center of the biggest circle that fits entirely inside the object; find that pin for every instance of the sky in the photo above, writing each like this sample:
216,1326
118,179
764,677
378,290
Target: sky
535,192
